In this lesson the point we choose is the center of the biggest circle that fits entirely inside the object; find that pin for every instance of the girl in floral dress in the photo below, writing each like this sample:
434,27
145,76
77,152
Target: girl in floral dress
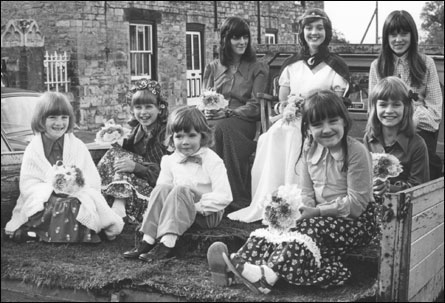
337,211
129,172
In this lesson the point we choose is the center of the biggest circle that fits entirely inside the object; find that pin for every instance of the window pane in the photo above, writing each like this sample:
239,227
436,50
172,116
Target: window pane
148,38
140,35
132,37
196,52
189,51
132,64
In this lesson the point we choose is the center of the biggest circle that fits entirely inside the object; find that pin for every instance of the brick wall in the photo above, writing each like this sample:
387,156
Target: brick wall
100,78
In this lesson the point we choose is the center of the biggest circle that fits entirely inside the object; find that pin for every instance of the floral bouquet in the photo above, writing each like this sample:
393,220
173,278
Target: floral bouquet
281,209
211,100
385,166
67,179
290,109
111,133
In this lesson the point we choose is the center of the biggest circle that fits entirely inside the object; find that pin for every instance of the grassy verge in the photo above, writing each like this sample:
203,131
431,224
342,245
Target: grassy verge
100,268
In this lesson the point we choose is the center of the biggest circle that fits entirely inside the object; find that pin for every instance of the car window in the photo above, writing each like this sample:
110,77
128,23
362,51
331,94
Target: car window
16,114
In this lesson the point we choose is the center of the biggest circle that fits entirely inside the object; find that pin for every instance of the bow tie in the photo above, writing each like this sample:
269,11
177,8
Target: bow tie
192,159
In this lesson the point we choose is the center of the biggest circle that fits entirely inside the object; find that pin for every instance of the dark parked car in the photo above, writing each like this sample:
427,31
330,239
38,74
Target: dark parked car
16,112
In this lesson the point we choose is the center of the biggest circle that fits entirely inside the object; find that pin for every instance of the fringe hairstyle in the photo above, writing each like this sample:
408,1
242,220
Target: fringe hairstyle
234,27
145,97
186,118
311,15
396,22
391,88
51,104
321,105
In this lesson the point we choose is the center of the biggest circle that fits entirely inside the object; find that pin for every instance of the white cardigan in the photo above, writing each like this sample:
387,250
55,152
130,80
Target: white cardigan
36,187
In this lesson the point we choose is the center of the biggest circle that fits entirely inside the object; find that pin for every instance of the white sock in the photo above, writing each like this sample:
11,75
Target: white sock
119,207
169,240
148,239
253,273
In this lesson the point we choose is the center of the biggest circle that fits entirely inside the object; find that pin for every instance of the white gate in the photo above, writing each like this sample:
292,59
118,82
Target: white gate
56,71
194,58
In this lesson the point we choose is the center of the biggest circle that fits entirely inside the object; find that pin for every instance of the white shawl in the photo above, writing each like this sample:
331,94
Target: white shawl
36,187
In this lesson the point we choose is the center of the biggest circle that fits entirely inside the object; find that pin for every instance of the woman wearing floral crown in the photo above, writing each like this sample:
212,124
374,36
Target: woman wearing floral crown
313,69
238,77
126,171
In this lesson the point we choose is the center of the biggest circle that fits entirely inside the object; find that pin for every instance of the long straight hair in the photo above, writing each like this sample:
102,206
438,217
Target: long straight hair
234,27
390,88
396,22
325,104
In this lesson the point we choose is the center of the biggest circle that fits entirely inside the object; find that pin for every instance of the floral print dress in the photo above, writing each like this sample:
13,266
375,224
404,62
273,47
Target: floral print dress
311,253
144,148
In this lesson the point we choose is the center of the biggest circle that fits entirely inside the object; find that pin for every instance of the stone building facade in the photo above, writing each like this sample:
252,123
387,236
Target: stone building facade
99,37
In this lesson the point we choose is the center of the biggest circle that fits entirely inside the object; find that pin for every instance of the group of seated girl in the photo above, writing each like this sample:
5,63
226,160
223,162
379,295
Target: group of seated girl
189,166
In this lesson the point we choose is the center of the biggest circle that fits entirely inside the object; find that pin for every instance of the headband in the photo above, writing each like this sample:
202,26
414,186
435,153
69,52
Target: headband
314,15
152,86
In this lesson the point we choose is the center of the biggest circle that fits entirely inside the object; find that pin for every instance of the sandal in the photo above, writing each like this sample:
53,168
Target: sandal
237,267
220,274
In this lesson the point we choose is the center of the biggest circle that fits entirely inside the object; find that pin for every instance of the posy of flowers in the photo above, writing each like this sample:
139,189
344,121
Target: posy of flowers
291,108
385,166
110,133
281,208
211,100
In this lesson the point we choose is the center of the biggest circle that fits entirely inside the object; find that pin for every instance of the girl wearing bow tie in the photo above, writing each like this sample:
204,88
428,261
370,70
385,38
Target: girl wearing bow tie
192,187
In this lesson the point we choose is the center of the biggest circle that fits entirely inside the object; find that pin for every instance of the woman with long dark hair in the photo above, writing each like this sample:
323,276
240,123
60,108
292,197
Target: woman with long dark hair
238,77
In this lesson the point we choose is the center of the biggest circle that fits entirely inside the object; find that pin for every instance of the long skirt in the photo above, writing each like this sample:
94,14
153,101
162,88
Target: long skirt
57,222
311,253
275,165
234,143
136,191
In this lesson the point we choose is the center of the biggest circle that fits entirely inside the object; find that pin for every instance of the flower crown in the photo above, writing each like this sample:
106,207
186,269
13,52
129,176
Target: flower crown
152,86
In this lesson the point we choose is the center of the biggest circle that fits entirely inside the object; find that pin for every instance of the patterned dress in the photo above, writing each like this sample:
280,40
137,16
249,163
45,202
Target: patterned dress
57,223
143,148
311,253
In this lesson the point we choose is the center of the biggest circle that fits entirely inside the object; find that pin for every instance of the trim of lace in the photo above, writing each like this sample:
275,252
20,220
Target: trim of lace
277,238
139,195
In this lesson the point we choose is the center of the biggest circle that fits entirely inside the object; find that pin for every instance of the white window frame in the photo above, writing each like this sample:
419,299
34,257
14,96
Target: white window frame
270,38
145,48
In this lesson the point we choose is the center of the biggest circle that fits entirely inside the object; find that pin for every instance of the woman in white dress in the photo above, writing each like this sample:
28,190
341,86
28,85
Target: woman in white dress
313,69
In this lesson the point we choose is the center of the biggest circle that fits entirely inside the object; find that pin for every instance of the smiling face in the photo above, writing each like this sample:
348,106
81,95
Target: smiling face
146,114
56,126
239,45
399,42
390,113
314,34
328,132
187,143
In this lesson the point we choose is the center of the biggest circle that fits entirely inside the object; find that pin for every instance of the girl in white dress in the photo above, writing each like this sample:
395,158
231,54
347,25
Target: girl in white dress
313,69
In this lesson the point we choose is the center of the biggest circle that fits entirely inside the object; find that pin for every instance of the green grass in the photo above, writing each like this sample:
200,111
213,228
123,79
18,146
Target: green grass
100,268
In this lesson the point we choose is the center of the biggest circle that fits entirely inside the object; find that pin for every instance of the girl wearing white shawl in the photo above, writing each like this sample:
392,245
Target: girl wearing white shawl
53,217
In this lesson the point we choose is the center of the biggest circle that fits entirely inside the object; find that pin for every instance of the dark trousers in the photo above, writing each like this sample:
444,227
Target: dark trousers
436,165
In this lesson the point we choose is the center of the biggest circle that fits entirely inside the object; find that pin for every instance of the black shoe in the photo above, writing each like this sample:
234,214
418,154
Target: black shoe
22,236
160,251
143,248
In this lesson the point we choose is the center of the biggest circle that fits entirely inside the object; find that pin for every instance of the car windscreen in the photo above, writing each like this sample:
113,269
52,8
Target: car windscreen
16,113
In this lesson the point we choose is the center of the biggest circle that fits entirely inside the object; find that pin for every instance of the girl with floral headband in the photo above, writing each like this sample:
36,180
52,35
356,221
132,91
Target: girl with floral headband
129,173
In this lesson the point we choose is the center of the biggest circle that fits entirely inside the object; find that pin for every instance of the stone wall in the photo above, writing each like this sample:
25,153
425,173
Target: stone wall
96,36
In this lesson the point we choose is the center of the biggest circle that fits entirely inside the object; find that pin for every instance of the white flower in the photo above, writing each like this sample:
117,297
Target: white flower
110,133
385,166
210,99
281,208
